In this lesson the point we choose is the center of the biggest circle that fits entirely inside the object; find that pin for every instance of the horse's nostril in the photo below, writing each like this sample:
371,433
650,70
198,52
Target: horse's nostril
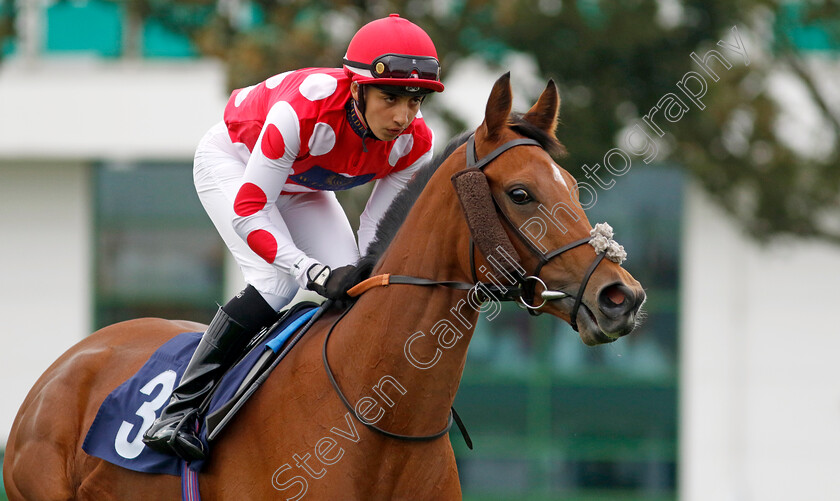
616,300
615,295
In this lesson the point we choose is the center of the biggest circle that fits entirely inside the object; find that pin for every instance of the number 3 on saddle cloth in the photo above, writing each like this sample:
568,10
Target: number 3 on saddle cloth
127,412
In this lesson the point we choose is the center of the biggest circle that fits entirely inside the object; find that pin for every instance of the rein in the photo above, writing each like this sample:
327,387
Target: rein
453,416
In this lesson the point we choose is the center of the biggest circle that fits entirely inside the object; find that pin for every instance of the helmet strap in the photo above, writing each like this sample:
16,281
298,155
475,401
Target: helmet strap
361,109
360,103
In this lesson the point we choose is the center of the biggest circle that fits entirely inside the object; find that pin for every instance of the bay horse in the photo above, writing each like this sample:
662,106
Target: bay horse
398,353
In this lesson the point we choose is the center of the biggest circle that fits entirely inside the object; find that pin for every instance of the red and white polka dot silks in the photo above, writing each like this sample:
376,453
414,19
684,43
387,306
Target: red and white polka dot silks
301,136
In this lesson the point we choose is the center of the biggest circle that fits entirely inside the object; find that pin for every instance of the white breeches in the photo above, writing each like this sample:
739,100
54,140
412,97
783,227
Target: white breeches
311,223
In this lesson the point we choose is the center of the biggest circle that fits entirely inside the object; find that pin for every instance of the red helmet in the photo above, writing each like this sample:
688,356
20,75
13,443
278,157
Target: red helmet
394,51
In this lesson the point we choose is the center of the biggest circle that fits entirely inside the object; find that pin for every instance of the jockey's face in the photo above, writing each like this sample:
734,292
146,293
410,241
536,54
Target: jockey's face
386,114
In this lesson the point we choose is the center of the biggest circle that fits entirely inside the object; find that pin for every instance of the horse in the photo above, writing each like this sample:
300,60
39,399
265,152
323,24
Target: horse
371,426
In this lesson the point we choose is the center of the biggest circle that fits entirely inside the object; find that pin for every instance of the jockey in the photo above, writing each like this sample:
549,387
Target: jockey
265,175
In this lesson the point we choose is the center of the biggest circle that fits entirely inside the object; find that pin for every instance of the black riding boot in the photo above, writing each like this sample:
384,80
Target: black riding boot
218,348
226,336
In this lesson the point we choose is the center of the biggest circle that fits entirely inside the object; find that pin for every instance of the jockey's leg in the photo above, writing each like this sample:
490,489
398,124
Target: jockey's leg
229,332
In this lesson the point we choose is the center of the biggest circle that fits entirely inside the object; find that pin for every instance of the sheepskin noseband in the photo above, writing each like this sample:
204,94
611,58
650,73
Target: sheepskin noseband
484,223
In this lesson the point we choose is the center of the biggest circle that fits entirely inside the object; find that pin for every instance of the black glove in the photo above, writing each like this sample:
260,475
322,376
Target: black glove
332,284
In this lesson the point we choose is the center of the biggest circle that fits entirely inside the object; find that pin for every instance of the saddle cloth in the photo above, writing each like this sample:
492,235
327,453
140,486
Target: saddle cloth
128,411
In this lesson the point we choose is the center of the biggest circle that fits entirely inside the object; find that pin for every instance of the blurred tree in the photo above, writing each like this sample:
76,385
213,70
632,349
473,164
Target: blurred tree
7,17
765,145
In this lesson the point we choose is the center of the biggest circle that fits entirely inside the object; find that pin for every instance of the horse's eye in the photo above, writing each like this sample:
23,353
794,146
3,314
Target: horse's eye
520,196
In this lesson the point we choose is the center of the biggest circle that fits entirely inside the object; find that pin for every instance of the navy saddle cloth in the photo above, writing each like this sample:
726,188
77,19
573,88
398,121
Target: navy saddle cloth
128,411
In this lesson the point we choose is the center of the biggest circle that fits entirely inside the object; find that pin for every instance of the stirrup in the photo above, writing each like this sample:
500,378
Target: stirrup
183,428
192,413
174,444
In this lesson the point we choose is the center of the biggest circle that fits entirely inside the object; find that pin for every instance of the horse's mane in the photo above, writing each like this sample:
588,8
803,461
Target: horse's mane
394,217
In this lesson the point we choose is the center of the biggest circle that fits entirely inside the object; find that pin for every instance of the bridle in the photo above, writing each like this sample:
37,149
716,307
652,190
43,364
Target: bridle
526,284
479,206
483,211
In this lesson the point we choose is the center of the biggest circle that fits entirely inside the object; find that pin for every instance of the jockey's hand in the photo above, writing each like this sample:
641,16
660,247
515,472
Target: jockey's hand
331,284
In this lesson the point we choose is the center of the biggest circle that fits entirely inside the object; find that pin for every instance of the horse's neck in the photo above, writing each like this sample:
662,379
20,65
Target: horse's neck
408,346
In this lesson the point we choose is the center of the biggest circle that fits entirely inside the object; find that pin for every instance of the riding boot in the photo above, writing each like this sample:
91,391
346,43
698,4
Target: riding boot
174,431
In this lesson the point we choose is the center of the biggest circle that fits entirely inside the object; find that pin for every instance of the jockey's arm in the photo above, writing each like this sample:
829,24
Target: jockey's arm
265,175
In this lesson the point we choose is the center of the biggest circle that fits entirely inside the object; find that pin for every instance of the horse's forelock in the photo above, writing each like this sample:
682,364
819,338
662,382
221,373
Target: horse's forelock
548,141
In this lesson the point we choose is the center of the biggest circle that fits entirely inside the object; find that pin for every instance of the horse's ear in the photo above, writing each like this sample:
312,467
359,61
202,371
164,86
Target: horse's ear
544,113
498,106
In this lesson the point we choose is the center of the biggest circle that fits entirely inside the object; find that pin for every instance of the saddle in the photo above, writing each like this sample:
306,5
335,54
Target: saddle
125,414
248,374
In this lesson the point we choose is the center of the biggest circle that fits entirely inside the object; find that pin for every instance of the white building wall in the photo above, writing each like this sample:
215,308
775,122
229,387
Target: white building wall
45,297
760,392
99,109
57,118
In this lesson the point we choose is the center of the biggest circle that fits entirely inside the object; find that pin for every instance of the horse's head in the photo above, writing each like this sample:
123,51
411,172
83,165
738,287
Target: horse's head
570,270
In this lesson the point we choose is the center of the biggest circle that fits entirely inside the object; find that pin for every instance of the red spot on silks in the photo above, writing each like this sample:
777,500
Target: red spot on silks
250,200
264,244
273,146
245,132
